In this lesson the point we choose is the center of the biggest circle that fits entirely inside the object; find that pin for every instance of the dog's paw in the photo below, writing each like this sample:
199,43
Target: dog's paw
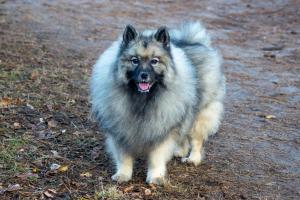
156,180
121,178
180,153
195,160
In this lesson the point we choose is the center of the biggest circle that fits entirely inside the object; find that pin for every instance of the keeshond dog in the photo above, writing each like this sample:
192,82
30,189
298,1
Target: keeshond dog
158,94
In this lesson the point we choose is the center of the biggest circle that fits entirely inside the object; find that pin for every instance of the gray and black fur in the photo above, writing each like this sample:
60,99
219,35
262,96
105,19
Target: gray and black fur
158,94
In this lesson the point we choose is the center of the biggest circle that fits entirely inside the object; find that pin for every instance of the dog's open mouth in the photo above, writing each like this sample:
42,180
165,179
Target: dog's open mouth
144,86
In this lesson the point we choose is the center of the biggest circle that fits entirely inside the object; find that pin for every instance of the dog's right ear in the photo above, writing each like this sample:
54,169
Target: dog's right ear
129,34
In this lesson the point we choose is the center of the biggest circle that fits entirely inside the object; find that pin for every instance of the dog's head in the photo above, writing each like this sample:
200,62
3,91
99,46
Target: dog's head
144,59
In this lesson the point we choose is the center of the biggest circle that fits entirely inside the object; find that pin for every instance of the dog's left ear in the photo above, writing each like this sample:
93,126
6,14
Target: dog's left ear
162,35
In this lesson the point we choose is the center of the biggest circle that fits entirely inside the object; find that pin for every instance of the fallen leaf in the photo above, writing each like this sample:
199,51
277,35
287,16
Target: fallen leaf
13,187
5,101
27,175
71,101
86,174
17,125
45,134
55,153
270,116
52,190
52,123
79,185
136,195
35,170
29,106
63,168
77,133
34,75
147,192
50,193
54,166
128,189
18,101
153,187
21,150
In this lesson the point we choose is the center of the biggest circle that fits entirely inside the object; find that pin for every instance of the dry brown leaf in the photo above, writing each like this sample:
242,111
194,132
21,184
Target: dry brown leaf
147,192
76,133
50,193
21,150
52,190
34,75
17,125
27,175
52,123
137,195
18,101
5,101
153,187
86,174
128,189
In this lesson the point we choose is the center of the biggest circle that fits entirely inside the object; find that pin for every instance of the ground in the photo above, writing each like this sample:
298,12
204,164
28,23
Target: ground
50,148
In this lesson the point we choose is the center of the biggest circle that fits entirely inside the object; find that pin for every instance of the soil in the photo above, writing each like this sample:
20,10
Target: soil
46,55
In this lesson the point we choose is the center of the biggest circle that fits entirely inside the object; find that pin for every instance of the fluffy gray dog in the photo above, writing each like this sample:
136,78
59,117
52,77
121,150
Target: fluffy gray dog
158,94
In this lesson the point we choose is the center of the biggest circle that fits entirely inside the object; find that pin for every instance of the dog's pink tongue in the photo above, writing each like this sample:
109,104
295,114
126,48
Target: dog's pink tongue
144,86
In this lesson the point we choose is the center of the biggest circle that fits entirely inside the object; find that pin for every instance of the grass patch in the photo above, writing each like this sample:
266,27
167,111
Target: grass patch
9,153
109,192
14,75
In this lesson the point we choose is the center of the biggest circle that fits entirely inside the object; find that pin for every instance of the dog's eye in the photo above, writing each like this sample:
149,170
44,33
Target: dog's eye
134,60
154,61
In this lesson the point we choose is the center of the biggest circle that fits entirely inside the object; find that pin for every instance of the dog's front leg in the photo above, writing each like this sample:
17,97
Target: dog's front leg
157,161
123,160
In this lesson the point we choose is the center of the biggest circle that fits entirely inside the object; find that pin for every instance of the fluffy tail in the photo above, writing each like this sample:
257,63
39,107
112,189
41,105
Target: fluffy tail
191,32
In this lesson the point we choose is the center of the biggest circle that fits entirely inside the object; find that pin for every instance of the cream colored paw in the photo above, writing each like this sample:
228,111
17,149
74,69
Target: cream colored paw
156,180
121,178
195,159
180,153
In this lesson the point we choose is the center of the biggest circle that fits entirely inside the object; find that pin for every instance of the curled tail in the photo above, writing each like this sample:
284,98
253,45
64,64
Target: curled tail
191,32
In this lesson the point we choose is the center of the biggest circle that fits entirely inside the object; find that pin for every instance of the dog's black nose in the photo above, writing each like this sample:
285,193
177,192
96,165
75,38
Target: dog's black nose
144,76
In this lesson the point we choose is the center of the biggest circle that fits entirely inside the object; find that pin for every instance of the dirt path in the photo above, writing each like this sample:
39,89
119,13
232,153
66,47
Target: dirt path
46,53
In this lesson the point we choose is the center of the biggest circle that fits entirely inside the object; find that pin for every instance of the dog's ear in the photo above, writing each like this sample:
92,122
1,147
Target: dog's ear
129,34
162,35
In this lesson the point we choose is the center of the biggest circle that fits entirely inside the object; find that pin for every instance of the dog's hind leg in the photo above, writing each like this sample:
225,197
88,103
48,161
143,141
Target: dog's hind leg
206,123
182,148
124,162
